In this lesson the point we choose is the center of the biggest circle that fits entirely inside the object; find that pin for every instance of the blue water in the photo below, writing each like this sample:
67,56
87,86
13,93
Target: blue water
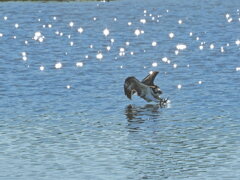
75,122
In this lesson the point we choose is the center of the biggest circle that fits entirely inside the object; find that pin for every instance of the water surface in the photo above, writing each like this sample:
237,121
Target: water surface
74,122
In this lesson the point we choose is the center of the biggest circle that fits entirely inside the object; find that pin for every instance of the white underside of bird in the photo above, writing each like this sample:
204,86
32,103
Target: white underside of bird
149,96
146,89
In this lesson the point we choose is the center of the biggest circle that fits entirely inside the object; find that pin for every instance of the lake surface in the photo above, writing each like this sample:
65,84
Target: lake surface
63,112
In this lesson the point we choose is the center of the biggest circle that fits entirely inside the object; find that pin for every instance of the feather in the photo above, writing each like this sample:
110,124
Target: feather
149,79
133,85
145,88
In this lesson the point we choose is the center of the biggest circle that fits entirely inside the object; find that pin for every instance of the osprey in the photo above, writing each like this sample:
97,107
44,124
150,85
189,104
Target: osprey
146,88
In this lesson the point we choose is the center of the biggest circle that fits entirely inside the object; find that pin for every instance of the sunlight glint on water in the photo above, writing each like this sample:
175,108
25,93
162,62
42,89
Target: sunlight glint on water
63,111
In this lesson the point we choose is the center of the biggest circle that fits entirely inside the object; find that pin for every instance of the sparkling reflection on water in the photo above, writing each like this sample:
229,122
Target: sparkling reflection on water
63,111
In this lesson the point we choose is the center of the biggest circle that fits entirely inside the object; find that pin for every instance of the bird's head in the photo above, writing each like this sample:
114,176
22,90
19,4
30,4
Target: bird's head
156,90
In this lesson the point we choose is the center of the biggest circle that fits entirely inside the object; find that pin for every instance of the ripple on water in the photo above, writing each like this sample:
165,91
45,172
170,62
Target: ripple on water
63,109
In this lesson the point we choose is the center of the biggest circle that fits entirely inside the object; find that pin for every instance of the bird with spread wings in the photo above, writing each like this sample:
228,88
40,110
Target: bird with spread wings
146,88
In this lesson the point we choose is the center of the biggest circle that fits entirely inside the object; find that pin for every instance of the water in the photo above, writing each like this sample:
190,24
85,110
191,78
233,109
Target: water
75,122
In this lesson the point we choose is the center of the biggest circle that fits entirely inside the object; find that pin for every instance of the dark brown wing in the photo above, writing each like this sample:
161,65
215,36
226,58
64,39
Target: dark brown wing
149,80
132,85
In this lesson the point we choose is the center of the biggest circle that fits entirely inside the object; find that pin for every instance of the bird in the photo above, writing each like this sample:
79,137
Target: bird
146,88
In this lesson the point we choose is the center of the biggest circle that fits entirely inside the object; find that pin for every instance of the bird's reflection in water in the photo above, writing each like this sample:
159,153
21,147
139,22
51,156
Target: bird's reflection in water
137,115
